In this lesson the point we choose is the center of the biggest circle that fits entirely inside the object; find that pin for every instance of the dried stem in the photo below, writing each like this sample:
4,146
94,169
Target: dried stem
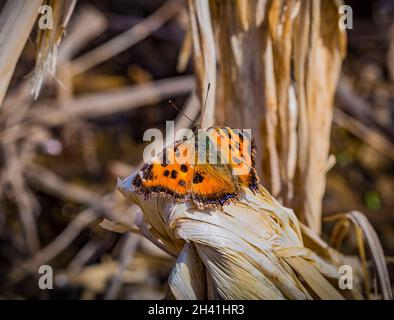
16,22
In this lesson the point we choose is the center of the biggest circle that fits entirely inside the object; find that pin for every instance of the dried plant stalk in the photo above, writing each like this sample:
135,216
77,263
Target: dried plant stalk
16,21
204,56
261,44
48,41
364,233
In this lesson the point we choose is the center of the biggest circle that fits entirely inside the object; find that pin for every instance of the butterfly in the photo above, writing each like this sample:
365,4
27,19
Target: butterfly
208,168
202,173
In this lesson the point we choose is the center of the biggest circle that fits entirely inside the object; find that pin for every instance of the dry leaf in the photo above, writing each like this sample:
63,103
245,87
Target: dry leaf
252,249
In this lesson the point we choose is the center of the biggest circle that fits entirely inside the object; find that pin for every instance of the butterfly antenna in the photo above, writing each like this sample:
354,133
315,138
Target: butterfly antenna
179,110
205,104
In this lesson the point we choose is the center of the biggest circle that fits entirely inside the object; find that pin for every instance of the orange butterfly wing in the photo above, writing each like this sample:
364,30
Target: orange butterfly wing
213,185
175,175
207,185
241,153
166,176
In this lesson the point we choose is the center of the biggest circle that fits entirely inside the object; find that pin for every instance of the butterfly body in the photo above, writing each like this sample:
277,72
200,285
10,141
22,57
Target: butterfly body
201,169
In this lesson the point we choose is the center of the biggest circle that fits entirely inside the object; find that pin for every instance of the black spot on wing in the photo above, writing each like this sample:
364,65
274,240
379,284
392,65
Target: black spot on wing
198,178
174,174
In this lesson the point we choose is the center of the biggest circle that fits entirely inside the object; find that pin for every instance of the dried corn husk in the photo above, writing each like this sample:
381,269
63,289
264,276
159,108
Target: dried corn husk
252,249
